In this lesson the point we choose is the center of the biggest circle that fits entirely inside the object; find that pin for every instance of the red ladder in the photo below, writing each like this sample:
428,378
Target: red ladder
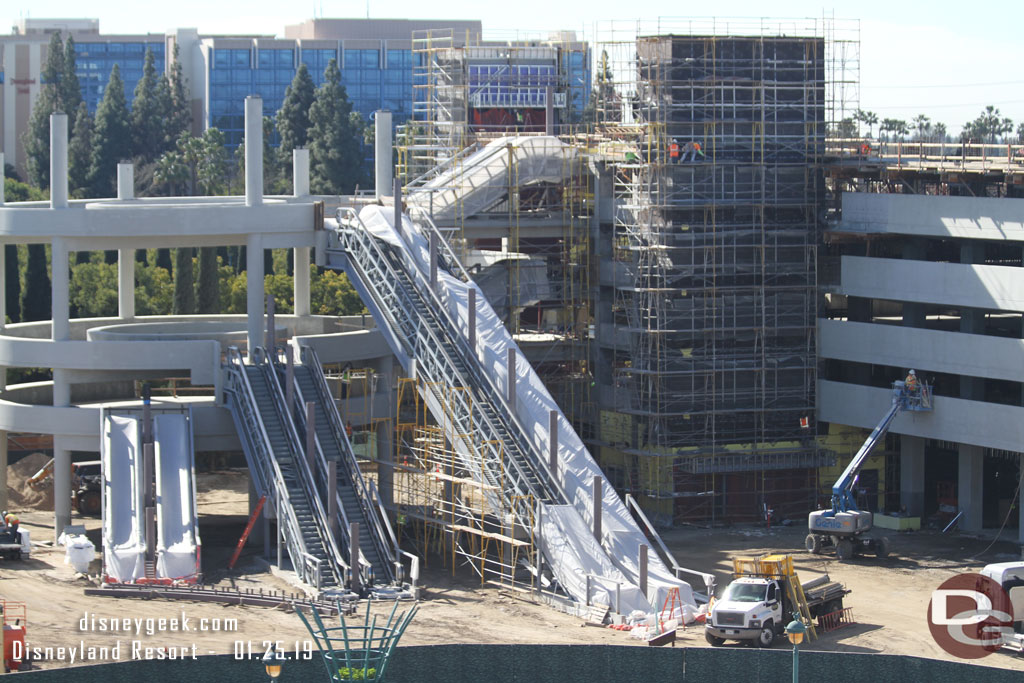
248,529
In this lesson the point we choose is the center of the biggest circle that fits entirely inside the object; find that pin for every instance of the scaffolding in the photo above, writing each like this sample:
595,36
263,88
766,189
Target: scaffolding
715,260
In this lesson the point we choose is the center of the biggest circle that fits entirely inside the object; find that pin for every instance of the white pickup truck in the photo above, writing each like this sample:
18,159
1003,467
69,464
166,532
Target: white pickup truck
757,609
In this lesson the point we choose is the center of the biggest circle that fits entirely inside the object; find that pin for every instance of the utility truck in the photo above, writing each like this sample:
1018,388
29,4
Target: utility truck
765,596
844,526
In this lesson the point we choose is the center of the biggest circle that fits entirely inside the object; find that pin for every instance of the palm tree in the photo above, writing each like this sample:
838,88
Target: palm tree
868,118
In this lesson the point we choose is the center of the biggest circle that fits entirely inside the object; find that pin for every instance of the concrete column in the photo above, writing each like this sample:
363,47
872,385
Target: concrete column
643,569
549,111
510,369
382,152
256,535
397,193
58,160
300,286
253,151
598,506
471,322
433,260
2,182
3,467
300,172
912,474
969,490
1020,508
125,181
59,303
254,289
126,284
385,448
553,441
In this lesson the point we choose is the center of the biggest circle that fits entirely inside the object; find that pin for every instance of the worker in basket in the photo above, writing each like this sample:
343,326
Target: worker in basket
693,149
911,385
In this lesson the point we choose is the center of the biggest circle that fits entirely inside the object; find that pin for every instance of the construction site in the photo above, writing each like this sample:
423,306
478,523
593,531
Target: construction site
632,306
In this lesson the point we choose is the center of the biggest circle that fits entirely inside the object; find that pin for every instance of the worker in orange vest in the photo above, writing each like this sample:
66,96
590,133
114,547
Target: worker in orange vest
673,152
693,149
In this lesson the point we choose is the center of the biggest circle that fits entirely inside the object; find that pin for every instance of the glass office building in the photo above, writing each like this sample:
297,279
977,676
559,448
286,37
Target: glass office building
95,60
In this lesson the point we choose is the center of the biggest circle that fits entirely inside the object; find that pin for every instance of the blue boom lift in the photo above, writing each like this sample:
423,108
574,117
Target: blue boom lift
844,525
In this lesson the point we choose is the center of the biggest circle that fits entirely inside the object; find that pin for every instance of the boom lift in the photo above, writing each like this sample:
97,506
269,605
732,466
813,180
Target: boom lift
844,526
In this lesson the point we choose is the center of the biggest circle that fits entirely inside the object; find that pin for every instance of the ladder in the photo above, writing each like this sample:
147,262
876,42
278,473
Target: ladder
779,567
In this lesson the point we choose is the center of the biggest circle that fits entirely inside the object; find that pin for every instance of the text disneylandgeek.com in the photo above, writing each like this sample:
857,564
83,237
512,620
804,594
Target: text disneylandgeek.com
146,638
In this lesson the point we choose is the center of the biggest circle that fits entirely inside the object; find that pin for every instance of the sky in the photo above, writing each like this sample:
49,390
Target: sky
944,59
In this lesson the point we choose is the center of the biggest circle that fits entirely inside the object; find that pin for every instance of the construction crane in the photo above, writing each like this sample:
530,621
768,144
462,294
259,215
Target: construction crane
844,525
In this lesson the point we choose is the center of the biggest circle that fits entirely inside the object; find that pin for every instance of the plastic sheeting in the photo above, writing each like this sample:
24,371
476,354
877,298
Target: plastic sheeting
124,520
481,180
177,540
621,537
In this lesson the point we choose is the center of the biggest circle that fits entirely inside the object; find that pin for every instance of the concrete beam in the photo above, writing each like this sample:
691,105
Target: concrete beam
984,218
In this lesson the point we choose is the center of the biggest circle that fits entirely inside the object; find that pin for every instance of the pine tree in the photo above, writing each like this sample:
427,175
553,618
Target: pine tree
163,260
293,116
36,138
184,291
111,137
70,88
333,142
12,283
35,301
80,152
208,297
146,119
179,116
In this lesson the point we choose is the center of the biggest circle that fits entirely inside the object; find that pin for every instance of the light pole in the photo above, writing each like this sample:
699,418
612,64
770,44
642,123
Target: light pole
273,661
795,632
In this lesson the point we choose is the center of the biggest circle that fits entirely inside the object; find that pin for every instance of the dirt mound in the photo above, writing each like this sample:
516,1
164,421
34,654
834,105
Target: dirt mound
19,493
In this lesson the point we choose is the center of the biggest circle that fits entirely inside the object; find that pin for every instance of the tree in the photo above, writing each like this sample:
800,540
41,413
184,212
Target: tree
35,301
148,127
293,116
80,152
36,138
208,295
868,118
179,116
334,143
939,131
988,127
184,292
1020,132
94,289
111,137
199,164
12,283
70,88
922,127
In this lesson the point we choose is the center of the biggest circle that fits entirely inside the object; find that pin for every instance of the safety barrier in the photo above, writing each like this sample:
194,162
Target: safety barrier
838,619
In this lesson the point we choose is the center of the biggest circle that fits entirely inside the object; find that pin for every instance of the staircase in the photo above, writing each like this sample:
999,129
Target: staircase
281,471
356,501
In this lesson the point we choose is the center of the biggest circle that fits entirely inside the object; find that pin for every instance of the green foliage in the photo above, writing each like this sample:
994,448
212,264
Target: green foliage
17,191
35,302
12,282
154,292
334,138
36,138
184,290
70,88
80,153
331,293
293,117
179,117
868,118
281,286
94,289
111,137
147,119
198,164
208,292
353,674
990,126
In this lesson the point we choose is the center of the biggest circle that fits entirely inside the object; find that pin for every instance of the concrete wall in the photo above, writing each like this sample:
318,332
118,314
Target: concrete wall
931,216
952,284
953,419
561,664
957,353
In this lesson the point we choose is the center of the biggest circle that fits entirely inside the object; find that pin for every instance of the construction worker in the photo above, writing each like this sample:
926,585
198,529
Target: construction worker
865,149
673,152
693,149
910,383
11,520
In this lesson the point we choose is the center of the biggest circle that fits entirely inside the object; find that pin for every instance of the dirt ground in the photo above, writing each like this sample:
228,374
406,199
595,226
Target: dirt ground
889,598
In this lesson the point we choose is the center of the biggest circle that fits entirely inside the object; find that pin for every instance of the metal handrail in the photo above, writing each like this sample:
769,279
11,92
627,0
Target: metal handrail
484,380
323,527
384,516
425,337
292,531
709,579
436,171
341,436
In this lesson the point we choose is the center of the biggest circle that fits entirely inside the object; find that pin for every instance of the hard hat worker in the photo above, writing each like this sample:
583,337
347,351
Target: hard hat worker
673,151
693,149
911,382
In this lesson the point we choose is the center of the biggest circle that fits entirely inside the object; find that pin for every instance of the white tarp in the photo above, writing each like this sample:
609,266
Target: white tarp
481,180
124,519
176,547
621,537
